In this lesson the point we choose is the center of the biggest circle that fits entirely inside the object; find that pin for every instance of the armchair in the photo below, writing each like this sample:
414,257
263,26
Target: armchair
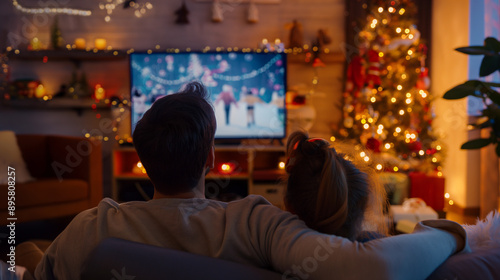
68,178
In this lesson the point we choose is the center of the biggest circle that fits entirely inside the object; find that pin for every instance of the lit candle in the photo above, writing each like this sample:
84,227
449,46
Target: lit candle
138,168
80,43
35,44
99,92
40,91
100,44
281,165
226,168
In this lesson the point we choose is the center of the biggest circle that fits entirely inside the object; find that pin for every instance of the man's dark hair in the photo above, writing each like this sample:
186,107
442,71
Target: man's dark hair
174,137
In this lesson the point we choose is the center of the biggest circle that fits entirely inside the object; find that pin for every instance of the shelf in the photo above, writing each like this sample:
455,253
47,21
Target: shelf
246,148
327,58
268,175
236,2
212,175
72,55
55,104
255,170
131,176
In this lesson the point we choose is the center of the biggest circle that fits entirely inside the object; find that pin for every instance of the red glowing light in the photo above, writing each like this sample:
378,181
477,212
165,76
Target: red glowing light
45,59
226,168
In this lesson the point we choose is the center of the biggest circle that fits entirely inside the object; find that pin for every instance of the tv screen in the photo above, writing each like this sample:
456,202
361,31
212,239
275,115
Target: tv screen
247,89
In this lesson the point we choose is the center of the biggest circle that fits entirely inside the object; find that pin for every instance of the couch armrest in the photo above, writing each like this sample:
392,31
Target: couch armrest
77,158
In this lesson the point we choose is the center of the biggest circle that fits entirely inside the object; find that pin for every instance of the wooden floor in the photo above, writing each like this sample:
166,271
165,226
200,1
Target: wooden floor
461,219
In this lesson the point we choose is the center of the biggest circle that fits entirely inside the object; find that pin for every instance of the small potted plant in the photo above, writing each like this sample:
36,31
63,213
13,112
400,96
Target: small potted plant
490,118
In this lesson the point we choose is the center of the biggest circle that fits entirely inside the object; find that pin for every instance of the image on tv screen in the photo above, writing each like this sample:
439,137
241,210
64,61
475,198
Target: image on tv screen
247,90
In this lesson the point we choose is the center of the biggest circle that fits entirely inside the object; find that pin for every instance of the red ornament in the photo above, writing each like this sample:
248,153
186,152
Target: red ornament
423,81
373,73
373,144
415,146
355,74
318,63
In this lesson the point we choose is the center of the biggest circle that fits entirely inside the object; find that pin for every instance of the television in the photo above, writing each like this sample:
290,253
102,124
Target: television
247,89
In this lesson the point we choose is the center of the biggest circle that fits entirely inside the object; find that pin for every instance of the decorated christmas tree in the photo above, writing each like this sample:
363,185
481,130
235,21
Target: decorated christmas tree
387,104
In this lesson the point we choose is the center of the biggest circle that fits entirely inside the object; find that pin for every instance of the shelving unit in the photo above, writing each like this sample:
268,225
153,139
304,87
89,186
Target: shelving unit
77,57
64,54
254,168
56,104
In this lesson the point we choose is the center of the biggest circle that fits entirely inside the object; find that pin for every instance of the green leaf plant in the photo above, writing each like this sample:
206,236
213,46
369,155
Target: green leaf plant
490,118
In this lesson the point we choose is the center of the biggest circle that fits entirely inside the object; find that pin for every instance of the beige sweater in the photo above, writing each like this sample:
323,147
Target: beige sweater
249,231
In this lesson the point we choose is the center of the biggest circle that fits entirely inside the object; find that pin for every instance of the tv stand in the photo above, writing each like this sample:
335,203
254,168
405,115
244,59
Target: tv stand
249,142
252,169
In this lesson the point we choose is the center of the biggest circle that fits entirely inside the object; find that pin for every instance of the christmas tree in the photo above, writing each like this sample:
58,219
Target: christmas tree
386,104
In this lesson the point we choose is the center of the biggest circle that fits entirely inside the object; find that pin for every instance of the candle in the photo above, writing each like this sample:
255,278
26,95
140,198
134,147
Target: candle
99,92
226,168
80,43
40,91
100,44
35,44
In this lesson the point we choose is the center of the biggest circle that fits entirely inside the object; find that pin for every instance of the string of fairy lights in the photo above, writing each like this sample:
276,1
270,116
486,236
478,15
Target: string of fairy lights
121,107
140,9
394,40
54,10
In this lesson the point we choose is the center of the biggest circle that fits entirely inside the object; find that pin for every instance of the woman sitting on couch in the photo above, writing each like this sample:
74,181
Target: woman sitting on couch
329,193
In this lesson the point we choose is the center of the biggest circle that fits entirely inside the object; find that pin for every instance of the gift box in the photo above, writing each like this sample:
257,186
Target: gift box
406,216
414,215
428,187
396,185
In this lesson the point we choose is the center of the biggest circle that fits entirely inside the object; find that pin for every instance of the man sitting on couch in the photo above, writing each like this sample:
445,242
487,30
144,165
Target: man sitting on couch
175,143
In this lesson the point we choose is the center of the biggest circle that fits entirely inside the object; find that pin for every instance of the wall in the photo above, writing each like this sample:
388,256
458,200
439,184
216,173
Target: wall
449,68
466,23
157,27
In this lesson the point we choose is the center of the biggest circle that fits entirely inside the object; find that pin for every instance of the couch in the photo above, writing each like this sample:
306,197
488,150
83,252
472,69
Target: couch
79,186
122,259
